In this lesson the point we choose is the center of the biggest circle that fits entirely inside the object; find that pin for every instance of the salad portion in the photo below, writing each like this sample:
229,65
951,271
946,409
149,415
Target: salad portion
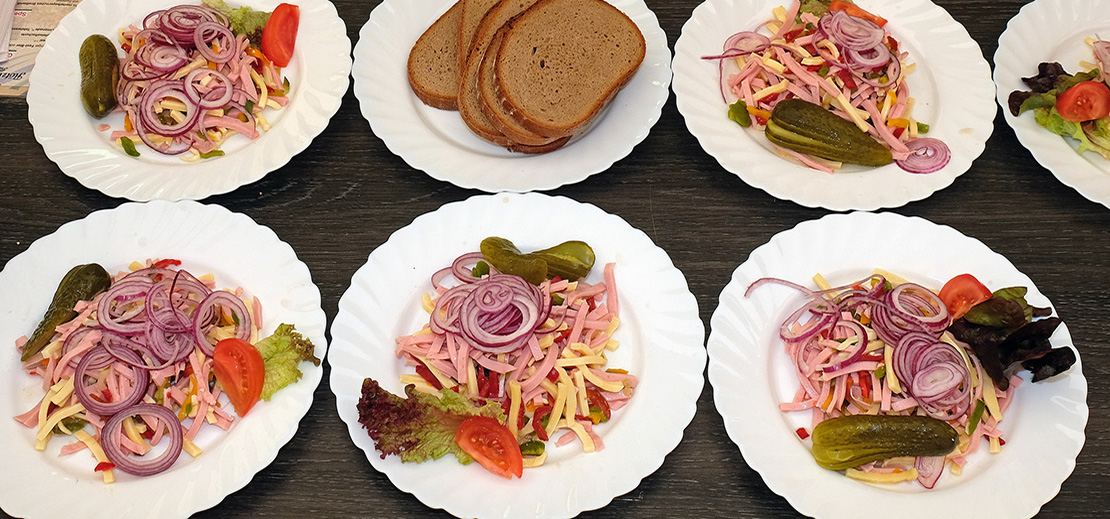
1076,106
826,82
513,356
902,381
134,365
192,76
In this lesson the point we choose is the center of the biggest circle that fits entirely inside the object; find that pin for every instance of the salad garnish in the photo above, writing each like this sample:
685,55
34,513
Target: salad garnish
194,75
841,58
157,353
530,359
882,349
1076,106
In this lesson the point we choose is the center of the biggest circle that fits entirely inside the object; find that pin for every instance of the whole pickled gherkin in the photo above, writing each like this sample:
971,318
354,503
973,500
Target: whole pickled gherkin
571,260
99,75
81,283
850,441
808,128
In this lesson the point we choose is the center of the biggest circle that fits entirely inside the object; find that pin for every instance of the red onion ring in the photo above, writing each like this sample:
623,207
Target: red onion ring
110,441
206,312
849,31
98,358
927,155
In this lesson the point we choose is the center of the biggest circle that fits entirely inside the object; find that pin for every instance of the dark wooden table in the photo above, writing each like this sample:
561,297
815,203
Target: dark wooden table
346,193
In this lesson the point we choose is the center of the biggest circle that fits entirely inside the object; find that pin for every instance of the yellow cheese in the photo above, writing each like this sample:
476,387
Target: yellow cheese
877,477
771,90
62,390
891,379
990,398
190,447
535,461
580,385
557,409
46,428
514,407
97,452
131,429
604,385
581,361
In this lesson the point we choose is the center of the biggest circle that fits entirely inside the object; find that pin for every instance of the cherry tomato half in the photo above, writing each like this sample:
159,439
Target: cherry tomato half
963,292
492,445
240,371
1085,101
280,34
857,11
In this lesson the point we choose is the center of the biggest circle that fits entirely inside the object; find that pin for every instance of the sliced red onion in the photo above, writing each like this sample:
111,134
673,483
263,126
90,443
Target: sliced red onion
502,312
934,374
1102,56
110,441
927,156
98,358
208,311
850,32
206,33
872,58
461,270
856,330
929,469
742,44
217,97
158,91
123,291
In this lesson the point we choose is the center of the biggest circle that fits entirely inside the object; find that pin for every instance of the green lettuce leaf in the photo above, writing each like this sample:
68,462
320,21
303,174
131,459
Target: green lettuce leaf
1050,119
244,20
281,353
421,427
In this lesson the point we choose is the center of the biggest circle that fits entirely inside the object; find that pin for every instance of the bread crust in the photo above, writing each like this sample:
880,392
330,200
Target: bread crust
433,62
540,16
493,109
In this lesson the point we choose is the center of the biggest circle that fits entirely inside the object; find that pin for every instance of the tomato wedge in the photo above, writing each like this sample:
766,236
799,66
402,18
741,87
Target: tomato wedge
963,292
492,445
857,11
240,371
280,34
1084,101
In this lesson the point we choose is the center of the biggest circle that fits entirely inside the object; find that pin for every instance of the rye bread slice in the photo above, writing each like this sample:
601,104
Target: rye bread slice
491,106
433,65
470,102
473,12
562,61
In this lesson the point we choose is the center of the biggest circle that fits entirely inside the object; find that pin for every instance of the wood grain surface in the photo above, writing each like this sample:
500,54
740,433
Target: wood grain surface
345,194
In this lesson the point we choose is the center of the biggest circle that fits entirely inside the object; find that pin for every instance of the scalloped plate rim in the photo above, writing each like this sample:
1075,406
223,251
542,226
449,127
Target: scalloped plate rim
829,494
966,126
187,497
408,477
92,160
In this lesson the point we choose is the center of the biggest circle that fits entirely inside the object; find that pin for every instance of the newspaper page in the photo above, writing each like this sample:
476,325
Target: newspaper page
33,22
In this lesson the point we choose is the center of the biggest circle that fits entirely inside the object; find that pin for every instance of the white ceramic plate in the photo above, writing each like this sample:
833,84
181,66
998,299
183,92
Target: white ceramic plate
1026,43
661,343
1043,427
242,253
319,75
440,144
952,90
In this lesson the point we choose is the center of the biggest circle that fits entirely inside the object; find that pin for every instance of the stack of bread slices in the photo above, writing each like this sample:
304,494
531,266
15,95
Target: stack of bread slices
528,75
